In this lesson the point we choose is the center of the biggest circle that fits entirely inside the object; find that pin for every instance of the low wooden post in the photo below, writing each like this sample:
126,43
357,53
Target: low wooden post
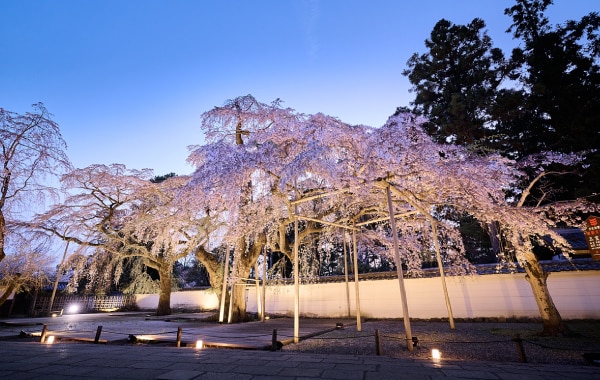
179,331
377,343
98,332
44,331
415,341
520,349
274,340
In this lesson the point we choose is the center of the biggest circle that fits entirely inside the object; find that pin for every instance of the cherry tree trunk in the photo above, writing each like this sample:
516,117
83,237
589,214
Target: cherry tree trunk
242,270
2,234
12,285
215,272
213,267
238,307
164,293
553,323
238,301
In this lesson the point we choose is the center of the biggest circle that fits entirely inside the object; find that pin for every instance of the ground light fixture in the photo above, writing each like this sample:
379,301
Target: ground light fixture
73,309
199,344
436,354
50,339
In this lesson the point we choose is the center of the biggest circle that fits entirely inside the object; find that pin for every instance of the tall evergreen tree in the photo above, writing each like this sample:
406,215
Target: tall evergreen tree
560,76
546,97
455,83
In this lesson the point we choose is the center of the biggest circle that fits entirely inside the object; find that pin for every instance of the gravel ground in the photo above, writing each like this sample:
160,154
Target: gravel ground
483,341
479,341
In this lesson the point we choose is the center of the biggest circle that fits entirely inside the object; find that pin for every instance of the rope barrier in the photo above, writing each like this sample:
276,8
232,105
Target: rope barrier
161,333
114,332
378,338
362,336
557,348
452,342
334,338
141,333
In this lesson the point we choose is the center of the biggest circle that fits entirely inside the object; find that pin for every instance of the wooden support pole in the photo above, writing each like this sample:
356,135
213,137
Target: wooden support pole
98,332
346,273
224,288
399,269
296,281
356,285
44,332
259,304
324,222
438,256
179,332
58,274
231,295
317,196
377,343
385,218
264,285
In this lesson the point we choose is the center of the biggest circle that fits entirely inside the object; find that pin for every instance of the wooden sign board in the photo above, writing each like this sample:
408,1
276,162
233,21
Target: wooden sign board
591,230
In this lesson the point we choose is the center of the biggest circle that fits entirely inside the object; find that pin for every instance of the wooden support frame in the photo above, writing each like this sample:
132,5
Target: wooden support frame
386,185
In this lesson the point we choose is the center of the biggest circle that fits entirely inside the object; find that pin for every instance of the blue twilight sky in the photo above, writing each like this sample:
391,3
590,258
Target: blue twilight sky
127,80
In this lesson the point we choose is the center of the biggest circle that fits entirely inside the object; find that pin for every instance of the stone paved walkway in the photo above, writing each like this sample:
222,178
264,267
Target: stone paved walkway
26,359
29,360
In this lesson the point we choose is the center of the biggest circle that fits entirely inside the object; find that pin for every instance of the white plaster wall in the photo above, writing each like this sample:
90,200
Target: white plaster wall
575,294
204,299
